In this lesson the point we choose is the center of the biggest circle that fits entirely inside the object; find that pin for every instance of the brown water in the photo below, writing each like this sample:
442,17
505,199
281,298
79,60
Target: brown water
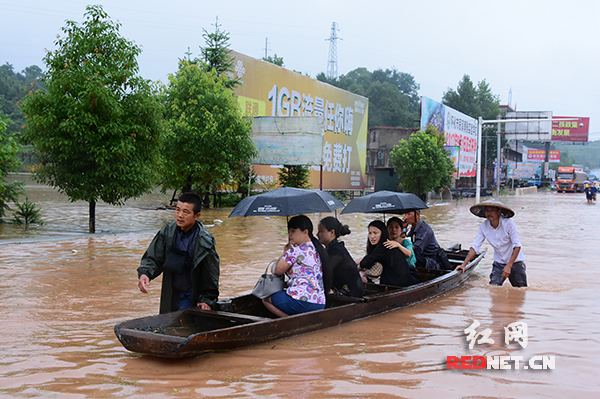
60,299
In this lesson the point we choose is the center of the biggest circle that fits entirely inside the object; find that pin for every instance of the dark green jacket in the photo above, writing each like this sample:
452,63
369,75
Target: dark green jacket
205,270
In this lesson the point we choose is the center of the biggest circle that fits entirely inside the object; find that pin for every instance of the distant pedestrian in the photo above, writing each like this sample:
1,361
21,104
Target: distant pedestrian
590,192
501,232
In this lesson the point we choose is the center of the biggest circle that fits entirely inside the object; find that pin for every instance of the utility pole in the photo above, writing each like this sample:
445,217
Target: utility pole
332,66
266,46
499,154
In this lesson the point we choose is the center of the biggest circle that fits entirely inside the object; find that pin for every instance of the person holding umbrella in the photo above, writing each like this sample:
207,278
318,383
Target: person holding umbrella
501,232
306,263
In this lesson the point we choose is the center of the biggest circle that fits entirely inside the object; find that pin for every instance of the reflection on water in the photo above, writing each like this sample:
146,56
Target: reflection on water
61,299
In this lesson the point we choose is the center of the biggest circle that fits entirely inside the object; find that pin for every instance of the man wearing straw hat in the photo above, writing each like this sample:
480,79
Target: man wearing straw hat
501,232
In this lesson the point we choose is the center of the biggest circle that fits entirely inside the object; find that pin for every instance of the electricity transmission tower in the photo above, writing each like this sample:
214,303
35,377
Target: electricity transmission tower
332,67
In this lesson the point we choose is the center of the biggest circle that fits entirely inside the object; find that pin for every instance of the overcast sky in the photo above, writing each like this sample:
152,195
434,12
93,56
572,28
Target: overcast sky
547,52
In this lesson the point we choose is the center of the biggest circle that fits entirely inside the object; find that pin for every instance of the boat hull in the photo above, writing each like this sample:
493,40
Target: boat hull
244,320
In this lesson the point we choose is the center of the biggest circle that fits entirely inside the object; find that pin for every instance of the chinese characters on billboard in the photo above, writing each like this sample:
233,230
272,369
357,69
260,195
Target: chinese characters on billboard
572,130
459,129
534,155
269,90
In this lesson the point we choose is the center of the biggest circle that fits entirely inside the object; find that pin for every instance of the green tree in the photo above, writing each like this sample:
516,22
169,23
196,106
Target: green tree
216,54
477,101
274,60
473,100
388,106
422,162
294,176
96,130
393,96
13,86
208,141
9,162
27,213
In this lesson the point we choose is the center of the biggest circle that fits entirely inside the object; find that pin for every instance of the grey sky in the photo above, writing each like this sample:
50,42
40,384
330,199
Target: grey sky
546,51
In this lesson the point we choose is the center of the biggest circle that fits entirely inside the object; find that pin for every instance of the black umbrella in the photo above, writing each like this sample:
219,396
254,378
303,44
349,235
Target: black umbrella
385,202
287,201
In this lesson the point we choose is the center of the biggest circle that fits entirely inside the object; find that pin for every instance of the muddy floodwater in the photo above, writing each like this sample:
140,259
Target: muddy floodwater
62,291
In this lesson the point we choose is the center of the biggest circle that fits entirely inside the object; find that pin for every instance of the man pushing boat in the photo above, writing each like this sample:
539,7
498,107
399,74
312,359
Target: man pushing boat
184,252
501,232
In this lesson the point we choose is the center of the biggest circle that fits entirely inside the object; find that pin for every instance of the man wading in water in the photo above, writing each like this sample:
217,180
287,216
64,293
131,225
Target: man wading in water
501,232
184,251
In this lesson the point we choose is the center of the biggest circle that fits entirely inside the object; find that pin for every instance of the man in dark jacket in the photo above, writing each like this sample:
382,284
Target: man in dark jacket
425,245
184,252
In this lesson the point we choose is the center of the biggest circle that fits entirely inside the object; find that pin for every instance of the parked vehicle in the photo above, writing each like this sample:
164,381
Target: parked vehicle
570,180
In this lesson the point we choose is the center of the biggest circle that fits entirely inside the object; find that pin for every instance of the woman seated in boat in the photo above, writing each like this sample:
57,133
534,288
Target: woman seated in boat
346,278
396,270
397,232
306,264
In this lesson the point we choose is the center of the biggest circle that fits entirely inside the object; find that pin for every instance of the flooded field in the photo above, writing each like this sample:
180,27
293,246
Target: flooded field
62,292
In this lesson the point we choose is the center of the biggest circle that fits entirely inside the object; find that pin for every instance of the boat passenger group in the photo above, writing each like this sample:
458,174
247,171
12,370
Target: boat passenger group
184,253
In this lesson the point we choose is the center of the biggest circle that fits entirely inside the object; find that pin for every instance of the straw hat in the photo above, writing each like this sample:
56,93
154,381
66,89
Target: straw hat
479,209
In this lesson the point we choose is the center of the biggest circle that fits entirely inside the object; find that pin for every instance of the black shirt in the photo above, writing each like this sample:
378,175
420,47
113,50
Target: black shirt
183,242
346,279
396,270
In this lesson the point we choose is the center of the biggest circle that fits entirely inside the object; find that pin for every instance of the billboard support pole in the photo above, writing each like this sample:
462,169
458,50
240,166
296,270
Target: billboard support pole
321,178
458,172
499,163
478,178
546,164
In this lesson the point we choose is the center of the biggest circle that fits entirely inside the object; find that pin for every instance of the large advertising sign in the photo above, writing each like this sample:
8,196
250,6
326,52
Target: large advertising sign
573,130
524,170
532,131
460,130
269,90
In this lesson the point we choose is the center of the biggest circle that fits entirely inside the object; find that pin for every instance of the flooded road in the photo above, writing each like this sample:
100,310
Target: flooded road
60,299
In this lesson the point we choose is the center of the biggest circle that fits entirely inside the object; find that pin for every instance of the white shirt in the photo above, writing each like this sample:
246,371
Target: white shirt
503,239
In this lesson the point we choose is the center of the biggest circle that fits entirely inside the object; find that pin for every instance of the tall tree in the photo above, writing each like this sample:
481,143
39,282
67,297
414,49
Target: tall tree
422,162
97,128
393,96
217,55
208,142
9,162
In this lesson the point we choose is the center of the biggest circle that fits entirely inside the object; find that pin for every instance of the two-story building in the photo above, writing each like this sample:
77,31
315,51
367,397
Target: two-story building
380,142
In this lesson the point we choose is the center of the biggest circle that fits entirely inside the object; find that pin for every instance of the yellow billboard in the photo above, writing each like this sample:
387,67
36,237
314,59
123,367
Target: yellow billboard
269,90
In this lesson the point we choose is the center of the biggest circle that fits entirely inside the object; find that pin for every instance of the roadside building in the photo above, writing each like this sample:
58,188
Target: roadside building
380,142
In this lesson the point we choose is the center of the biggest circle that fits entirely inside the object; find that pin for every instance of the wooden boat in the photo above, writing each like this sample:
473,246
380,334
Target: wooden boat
244,320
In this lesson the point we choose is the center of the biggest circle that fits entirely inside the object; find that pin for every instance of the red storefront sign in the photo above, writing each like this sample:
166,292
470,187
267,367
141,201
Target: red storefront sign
540,155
